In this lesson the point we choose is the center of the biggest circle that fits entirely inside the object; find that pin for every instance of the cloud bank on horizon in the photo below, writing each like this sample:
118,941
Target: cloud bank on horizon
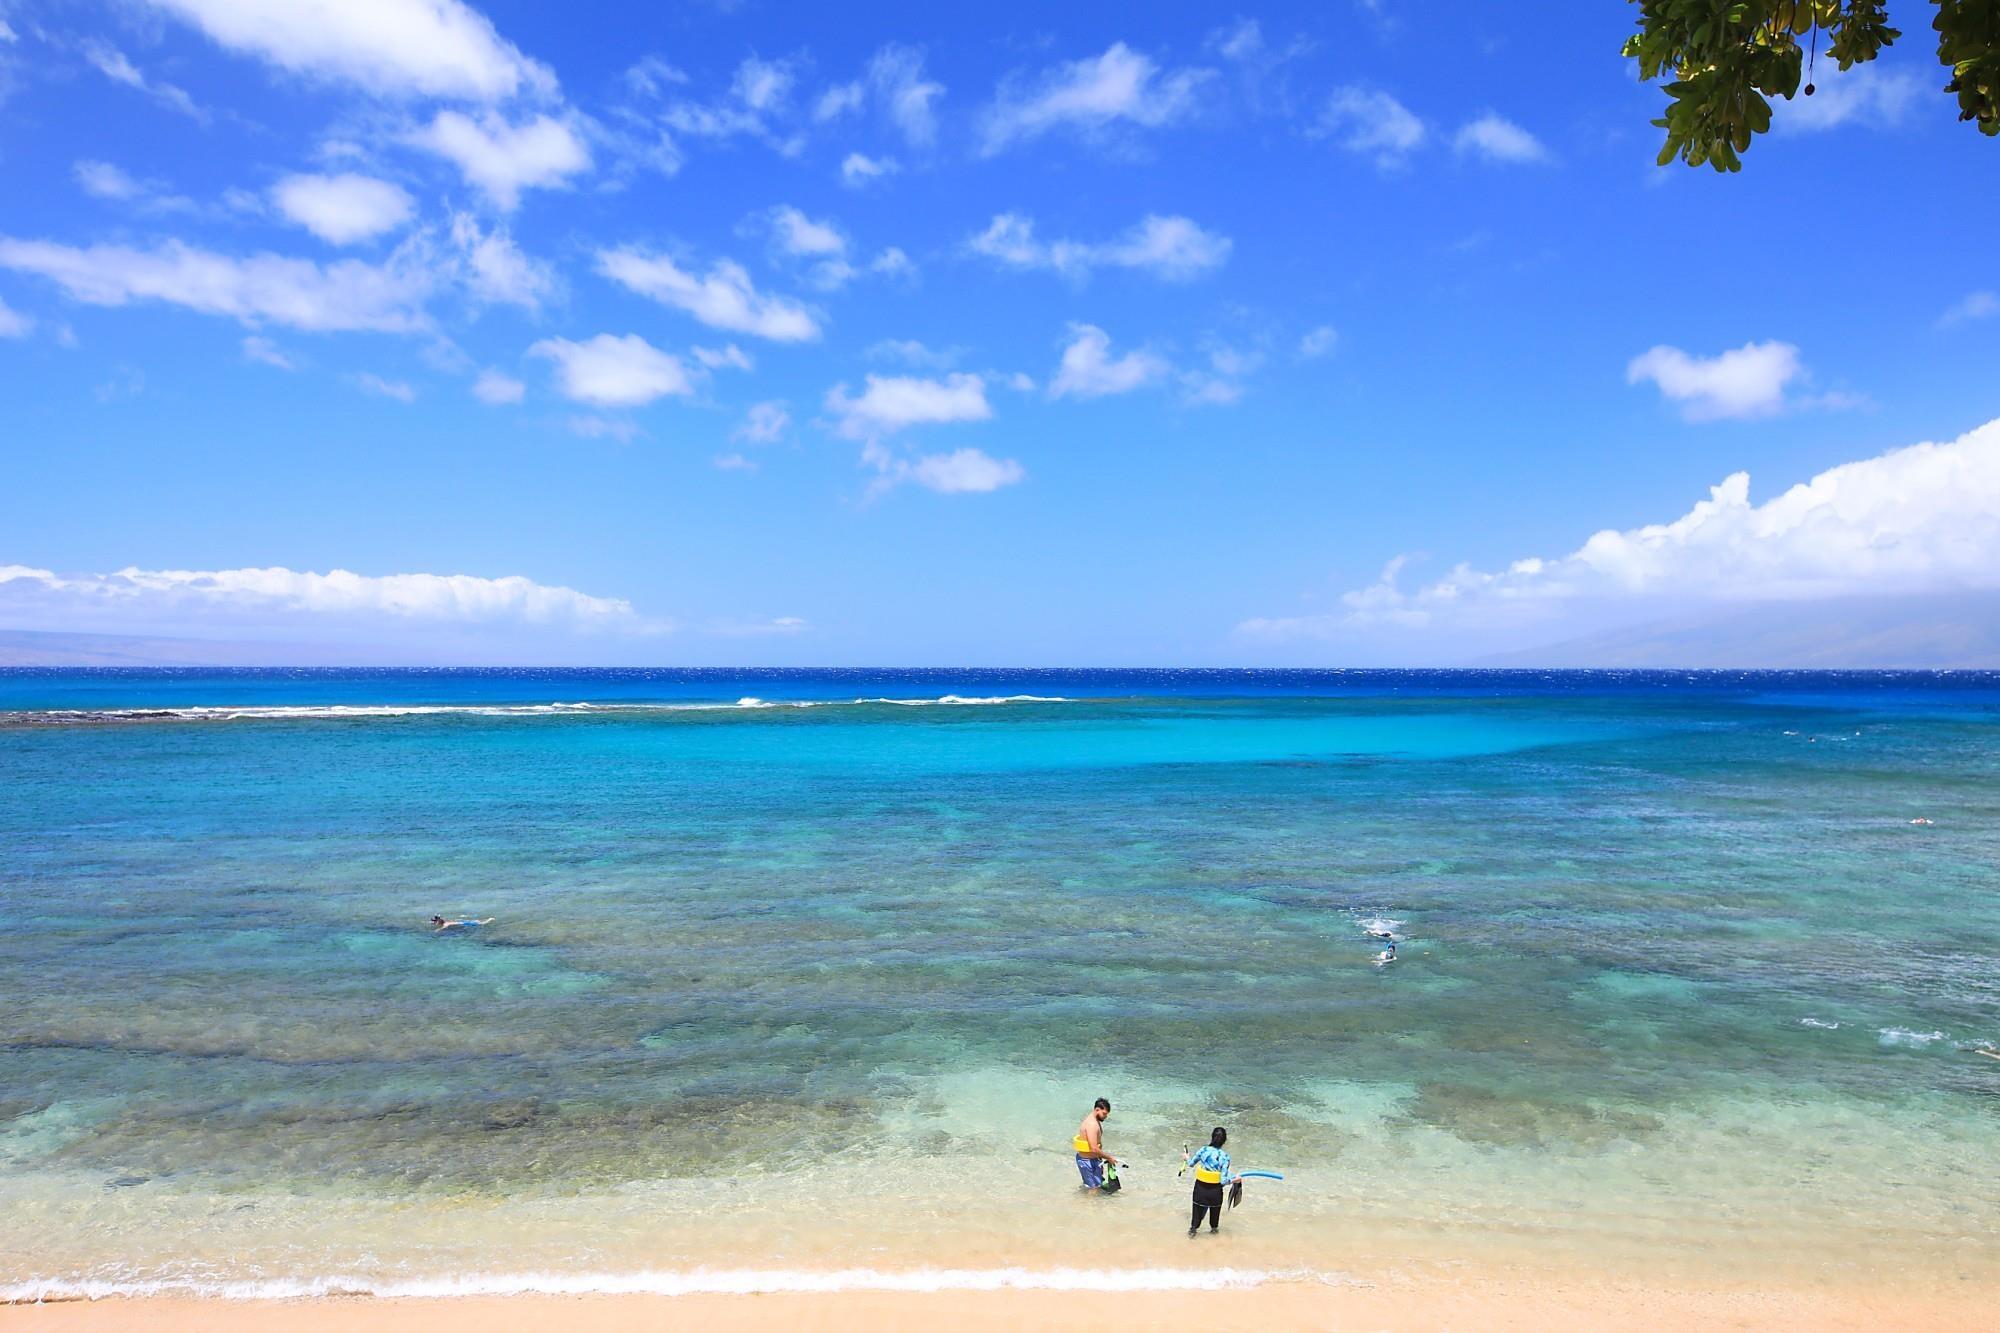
1917,520
1147,336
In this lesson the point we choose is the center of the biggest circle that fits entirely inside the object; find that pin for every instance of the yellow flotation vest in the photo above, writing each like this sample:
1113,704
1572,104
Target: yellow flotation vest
1208,1175
1080,1143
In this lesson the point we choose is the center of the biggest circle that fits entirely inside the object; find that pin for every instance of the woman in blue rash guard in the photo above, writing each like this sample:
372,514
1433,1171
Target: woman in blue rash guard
1211,1172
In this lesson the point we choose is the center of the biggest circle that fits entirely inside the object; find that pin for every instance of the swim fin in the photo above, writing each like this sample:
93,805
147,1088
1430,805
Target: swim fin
1235,1193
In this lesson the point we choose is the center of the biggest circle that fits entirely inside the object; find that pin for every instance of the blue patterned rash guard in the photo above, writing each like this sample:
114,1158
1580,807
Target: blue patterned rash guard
1210,1166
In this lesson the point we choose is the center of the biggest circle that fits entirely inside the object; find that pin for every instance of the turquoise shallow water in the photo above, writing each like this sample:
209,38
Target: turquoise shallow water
1678,975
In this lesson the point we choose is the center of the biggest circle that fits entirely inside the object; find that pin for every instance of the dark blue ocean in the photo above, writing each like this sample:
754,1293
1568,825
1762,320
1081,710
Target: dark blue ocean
1693,970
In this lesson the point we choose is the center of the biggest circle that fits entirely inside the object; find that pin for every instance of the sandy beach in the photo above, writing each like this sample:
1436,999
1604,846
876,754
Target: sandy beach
1485,1300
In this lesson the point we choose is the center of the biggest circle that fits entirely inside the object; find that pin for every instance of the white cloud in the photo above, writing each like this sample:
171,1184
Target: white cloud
764,423
402,48
1090,96
497,389
723,298
1089,371
1925,518
144,594
265,352
1746,382
743,628
890,403
858,169
343,209
1498,139
342,296
14,324
7,32
964,471
651,75
610,371
759,92
113,65
1864,95
1367,120
717,358
734,463
1976,305
503,159
1318,342
1175,248
374,384
762,85
496,269
840,99
102,180
797,234
1244,40
1221,383
897,72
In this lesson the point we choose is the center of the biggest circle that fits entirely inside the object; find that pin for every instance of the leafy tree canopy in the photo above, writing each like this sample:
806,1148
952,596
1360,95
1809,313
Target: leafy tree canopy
1726,57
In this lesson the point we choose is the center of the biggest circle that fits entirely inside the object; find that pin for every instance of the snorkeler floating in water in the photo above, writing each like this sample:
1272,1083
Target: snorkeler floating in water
439,925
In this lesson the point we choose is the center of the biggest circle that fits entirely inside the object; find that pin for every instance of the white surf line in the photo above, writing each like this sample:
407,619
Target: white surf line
696,1282
301,712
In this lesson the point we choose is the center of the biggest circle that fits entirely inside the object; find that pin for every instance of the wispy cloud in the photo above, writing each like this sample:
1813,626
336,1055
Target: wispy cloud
496,270
376,386
858,169
263,288
14,324
113,64
1091,97
267,353
1175,248
497,389
1867,95
105,180
1371,122
722,298
1318,342
764,423
1976,305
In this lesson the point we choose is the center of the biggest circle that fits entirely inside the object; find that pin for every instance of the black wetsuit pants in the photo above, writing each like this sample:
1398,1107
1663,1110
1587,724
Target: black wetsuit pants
1207,1199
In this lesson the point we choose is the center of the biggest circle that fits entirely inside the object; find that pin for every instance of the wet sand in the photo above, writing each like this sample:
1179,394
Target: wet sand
1500,1299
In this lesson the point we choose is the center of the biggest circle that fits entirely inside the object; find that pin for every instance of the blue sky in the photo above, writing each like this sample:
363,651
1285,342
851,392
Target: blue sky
767,333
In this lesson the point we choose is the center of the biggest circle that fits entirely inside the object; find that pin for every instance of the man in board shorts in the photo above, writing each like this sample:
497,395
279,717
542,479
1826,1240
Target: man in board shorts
1089,1145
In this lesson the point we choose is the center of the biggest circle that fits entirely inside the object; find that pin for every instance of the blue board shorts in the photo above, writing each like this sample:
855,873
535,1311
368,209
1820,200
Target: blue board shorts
1091,1169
